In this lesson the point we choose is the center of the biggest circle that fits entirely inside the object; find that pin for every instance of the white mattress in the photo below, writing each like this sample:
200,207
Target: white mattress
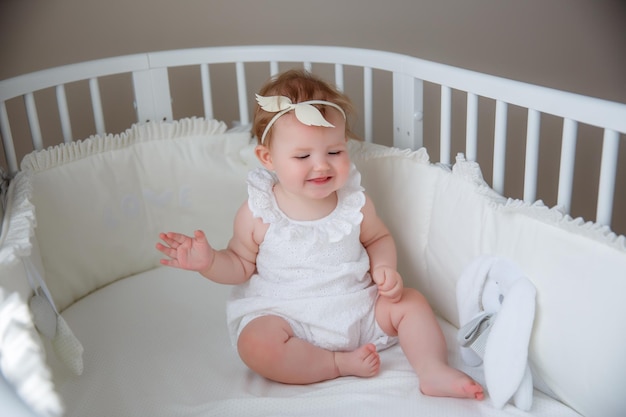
156,345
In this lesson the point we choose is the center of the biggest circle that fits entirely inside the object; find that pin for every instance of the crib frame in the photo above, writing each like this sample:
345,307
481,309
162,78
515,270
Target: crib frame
152,100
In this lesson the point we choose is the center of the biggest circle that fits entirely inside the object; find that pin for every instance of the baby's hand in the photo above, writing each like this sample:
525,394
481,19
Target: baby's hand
389,282
192,253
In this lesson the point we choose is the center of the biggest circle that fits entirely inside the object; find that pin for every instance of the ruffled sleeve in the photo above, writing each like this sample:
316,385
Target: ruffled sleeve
260,195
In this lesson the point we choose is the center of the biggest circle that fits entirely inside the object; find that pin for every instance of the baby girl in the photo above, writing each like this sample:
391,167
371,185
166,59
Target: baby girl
316,291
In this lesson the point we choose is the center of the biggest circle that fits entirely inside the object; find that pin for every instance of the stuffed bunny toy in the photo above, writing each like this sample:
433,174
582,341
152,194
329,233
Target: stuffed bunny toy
496,311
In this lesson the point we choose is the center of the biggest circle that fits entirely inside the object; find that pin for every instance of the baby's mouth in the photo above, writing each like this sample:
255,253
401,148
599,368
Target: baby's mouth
320,180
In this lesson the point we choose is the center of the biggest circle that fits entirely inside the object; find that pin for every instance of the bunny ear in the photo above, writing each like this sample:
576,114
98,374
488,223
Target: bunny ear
506,353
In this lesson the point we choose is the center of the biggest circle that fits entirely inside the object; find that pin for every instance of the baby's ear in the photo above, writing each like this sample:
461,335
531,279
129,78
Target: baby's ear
263,155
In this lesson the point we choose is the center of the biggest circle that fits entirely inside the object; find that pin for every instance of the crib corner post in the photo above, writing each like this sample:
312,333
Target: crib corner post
152,95
408,125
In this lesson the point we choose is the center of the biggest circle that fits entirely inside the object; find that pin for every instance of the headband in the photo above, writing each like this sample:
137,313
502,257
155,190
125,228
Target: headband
304,111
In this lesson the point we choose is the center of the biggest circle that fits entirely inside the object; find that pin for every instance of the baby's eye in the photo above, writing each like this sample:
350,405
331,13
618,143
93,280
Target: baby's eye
302,156
334,152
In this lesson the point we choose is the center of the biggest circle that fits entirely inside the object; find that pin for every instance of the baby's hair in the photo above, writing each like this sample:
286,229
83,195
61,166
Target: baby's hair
299,86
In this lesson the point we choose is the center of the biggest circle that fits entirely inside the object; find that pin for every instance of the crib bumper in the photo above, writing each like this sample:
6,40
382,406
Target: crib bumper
99,212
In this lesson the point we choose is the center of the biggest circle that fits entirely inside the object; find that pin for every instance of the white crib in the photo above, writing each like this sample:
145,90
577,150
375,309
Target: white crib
81,219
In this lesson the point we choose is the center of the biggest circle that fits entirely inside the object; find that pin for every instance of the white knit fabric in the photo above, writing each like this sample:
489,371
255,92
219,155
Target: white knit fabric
312,273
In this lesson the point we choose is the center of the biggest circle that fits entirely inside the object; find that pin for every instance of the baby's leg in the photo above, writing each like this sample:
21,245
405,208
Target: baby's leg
267,345
423,343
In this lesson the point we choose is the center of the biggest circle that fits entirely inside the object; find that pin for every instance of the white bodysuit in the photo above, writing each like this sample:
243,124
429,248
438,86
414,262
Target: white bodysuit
314,274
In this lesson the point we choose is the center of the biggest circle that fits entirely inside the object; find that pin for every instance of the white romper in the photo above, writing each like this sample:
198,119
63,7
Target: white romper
314,274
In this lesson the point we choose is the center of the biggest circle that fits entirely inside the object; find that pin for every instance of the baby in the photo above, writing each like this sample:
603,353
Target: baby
317,293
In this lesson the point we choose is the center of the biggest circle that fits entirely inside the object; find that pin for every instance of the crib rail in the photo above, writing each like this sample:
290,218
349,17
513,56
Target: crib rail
152,99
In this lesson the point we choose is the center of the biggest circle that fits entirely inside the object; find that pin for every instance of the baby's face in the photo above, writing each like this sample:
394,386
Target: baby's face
310,161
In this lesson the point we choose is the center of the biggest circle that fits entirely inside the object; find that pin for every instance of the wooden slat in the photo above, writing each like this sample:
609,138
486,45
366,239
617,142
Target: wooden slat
445,123
368,105
7,139
339,82
532,156
274,68
568,158
207,94
608,172
471,128
499,147
96,105
64,114
33,121
242,94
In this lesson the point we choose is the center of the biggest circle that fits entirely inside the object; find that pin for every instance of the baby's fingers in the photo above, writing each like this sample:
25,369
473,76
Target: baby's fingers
165,250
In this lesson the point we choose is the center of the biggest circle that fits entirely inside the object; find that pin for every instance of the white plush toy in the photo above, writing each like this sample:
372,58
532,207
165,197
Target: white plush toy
496,311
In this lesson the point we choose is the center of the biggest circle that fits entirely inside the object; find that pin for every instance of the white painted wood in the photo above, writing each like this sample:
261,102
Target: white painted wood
153,100
339,83
242,94
531,166
52,77
7,140
152,95
368,102
608,173
471,128
499,147
64,114
33,121
207,95
274,68
445,125
407,111
96,104
566,170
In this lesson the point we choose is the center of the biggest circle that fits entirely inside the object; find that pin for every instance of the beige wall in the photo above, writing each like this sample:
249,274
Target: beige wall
575,45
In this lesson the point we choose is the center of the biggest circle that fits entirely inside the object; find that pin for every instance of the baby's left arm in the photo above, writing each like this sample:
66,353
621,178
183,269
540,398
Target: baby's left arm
381,248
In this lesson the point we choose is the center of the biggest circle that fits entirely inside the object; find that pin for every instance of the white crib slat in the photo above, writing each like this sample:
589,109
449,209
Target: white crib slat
566,171
96,105
499,146
274,68
308,66
608,172
33,121
471,128
207,94
446,118
7,139
532,156
339,77
244,118
368,113
64,114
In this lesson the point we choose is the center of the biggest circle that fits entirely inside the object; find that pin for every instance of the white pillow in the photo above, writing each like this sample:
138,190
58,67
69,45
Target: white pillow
101,203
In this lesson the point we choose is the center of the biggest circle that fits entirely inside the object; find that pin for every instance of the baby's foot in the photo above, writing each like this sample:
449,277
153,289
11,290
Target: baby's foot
363,362
445,381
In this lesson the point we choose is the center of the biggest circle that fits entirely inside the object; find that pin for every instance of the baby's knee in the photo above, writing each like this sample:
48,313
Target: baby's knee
260,339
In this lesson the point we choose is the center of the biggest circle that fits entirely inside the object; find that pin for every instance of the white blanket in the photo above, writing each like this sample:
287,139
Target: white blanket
156,345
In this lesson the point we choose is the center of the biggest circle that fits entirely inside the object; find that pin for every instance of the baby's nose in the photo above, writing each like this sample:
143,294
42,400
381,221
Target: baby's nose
321,163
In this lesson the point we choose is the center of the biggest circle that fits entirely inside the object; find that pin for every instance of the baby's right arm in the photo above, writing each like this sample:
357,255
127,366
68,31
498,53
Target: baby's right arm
233,265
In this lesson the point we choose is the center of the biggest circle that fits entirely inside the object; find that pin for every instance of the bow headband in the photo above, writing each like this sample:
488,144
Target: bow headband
305,112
